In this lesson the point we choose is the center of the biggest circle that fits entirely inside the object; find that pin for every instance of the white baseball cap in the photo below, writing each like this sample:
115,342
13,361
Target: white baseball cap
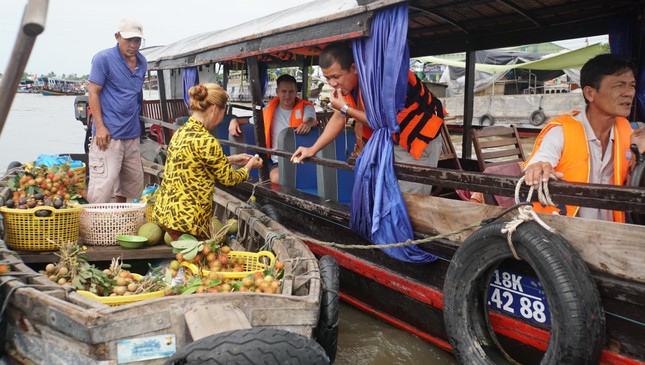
130,28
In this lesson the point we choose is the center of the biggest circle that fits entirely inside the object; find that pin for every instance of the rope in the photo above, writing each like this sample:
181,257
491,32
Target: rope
268,241
418,241
526,212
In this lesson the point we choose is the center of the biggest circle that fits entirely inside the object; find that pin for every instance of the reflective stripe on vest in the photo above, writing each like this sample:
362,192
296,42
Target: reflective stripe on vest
293,121
419,121
575,162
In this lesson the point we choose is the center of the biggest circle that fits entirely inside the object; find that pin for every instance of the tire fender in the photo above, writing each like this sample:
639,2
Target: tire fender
13,164
251,346
537,117
486,120
327,328
271,211
577,317
638,180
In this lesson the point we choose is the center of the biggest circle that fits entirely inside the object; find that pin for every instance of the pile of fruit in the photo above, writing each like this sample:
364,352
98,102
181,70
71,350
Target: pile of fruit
55,186
74,269
201,264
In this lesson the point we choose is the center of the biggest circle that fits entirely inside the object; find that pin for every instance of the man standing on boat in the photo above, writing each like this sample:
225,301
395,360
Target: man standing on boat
284,111
419,140
593,146
115,98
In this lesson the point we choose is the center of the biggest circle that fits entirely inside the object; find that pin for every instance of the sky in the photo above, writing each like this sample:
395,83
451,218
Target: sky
77,29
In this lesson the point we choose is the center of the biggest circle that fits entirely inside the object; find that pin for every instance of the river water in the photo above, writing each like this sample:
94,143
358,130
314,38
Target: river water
45,124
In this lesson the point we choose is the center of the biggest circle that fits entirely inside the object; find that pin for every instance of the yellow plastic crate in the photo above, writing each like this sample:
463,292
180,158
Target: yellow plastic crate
121,300
252,264
24,231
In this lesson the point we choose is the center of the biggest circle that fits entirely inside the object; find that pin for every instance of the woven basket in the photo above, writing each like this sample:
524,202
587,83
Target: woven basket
101,223
24,231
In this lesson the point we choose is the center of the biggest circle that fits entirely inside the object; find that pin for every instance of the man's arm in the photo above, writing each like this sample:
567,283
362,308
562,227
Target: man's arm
234,126
335,125
102,136
308,122
546,158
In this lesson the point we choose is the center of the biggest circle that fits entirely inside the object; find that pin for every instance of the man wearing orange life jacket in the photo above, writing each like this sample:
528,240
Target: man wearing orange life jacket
592,147
418,141
284,111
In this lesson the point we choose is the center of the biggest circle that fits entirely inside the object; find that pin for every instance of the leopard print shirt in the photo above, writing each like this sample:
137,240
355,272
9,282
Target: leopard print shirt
195,162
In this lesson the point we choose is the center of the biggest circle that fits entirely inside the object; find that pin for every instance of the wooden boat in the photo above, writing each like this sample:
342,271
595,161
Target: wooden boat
503,322
50,86
44,323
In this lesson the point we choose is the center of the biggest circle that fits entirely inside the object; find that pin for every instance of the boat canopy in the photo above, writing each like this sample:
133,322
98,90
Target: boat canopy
270,35
435,27
560,61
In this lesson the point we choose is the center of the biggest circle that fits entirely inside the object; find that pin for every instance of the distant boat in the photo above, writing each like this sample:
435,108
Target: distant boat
50,86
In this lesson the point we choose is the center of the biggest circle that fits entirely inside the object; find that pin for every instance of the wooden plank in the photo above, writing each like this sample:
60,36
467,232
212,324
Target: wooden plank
609,247
211,319
103,253
498,142
501,153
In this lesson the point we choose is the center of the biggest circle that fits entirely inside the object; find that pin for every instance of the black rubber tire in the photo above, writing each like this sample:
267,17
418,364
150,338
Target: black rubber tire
638,180
13,165
486,120
577,317
271,211
251,346
327,328
537,118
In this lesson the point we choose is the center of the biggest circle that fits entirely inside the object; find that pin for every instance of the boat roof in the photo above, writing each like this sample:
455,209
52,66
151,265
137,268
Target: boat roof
434,27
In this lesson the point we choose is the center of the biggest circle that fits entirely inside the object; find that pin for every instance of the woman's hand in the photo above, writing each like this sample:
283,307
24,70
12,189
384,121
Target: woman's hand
254,163
240,159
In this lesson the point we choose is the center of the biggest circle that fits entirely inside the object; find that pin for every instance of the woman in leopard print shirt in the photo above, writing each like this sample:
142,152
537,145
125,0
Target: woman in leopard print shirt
194,164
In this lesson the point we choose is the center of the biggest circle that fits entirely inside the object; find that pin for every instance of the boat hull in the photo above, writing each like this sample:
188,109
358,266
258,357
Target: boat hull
410,296
46,324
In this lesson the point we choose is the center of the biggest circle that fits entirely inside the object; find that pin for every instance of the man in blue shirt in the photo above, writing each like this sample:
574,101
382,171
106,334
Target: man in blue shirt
116,82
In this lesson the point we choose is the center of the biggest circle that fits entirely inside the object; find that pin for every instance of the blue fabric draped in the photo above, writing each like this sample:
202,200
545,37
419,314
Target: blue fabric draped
378,212
621,43
189,78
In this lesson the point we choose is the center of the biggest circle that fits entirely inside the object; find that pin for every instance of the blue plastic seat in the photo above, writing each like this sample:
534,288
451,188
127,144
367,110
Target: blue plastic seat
335,184
302,177
247,137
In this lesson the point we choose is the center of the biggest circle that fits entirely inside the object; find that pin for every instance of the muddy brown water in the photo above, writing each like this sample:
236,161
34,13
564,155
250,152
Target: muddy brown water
45,124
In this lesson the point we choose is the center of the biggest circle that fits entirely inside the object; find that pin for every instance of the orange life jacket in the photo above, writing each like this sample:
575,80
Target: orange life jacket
575,162
297,116
419,121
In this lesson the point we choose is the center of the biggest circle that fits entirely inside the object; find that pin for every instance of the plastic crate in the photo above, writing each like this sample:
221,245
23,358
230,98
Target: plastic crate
101,223
24,231
124,299
253,263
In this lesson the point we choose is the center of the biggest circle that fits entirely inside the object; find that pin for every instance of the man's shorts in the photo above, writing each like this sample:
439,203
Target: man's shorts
115,171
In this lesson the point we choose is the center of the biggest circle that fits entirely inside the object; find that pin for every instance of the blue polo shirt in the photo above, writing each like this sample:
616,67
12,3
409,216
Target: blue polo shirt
121,96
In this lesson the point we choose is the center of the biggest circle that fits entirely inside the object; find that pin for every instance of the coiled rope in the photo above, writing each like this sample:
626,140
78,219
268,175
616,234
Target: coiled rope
526,212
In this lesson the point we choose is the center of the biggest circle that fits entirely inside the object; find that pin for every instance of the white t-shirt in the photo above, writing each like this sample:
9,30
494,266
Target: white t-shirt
601,167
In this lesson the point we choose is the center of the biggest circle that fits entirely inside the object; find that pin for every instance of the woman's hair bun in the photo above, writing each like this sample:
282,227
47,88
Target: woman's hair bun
198,92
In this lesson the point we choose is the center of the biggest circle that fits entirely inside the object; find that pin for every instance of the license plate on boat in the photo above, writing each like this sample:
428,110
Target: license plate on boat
518,295
146,348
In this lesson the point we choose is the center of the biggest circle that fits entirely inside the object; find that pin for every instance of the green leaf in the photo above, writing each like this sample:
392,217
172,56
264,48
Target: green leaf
29,190
214,282
186,236
189,290
183,244
191,253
